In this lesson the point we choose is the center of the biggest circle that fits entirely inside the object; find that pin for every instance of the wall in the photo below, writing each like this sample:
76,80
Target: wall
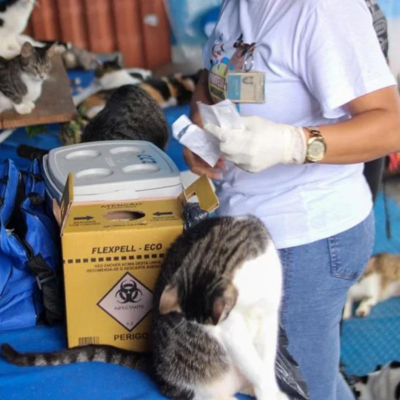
187,19
137,28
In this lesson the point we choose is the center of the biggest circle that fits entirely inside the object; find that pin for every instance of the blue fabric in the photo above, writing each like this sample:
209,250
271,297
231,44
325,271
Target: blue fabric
35,234
69,382
368,342
317,277
48,140
19,303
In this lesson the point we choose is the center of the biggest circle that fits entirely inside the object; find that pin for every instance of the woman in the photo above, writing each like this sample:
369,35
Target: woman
324,70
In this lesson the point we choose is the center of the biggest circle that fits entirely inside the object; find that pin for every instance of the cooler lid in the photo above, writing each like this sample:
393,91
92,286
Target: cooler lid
109,166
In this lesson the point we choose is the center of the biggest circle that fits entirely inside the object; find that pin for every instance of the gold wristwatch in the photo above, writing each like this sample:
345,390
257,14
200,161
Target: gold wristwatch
316,146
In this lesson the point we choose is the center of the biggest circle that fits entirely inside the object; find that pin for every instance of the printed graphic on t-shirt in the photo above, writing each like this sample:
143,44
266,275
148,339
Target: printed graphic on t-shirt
380,25
225,57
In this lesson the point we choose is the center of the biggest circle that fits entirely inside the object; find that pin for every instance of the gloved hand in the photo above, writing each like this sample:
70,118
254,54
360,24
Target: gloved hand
261,144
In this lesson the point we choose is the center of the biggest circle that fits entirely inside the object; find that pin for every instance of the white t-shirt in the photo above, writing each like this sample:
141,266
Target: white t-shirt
318,55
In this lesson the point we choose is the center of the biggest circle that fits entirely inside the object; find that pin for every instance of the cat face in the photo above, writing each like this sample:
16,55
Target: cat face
207,261
107,67
35,61
201,302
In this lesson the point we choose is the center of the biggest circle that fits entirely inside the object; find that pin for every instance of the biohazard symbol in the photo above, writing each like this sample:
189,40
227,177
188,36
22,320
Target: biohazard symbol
128,292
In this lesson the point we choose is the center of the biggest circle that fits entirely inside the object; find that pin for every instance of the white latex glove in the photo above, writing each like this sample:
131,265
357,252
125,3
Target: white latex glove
261,144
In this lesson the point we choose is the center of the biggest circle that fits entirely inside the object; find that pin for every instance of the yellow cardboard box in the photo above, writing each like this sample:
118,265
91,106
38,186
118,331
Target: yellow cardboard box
112,254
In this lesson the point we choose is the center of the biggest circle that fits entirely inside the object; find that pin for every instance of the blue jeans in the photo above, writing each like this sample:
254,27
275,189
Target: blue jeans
317,277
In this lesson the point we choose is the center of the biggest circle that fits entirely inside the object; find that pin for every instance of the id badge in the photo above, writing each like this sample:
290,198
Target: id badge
245,87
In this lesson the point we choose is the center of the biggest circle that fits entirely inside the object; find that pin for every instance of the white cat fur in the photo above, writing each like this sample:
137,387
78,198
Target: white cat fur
15,19
250,333
381,385
368,292
112,80
34,87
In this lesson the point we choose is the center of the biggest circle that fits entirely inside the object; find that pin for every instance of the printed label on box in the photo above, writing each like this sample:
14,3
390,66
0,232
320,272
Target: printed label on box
128,302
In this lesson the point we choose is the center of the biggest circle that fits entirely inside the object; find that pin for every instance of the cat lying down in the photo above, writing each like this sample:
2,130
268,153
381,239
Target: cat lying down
381,281
215,317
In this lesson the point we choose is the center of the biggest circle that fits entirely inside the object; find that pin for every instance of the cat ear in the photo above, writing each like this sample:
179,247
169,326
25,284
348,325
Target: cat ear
27,50
169,301
52,49
223,305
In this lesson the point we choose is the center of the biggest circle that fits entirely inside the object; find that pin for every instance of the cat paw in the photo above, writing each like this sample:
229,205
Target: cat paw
346,315
31,104
364,309
23,109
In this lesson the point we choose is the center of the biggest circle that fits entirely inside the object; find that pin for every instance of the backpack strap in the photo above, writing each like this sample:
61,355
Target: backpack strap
48,284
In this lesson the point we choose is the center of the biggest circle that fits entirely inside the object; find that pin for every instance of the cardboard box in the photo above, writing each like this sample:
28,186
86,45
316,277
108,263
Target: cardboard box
112,254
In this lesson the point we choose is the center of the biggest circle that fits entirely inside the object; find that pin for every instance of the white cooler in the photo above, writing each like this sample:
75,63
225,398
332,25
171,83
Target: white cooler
112,170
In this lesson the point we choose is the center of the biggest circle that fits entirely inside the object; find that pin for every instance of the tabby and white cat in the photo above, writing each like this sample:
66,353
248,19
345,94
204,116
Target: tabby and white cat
382,384
14,17
21,78
381,281
215,317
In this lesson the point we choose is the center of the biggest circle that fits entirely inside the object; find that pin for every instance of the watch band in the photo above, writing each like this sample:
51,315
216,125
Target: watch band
314,131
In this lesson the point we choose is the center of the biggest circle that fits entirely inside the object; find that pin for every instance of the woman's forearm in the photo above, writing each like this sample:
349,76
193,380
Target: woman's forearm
372,132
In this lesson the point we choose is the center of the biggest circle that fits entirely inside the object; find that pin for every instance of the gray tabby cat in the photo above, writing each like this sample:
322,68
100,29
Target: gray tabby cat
215,317
130,114
21,79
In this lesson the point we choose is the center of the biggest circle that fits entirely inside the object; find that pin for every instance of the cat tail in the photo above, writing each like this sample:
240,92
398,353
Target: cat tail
99,353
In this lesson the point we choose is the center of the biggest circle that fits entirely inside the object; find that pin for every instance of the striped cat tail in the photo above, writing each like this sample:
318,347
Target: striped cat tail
99,353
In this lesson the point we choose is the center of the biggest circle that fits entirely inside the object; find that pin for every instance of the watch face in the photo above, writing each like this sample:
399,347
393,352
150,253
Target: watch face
316,150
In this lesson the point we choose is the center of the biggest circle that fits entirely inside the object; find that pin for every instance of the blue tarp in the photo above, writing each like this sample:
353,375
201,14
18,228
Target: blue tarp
375,340
67,382
366,342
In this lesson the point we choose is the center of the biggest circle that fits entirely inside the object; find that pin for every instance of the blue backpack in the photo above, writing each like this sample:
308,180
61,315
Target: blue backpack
30,259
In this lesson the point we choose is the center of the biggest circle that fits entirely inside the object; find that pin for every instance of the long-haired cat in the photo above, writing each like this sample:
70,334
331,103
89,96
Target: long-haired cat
382,384
21,78
215,317
130,114
380,281
14,17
